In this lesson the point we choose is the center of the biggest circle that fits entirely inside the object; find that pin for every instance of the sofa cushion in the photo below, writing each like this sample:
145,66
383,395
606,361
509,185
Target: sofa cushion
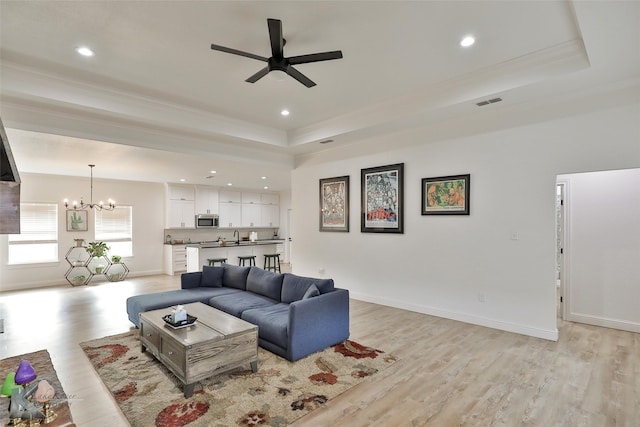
235,276
238,302
272,323
211,276
147,302
312,291
294,287
264,282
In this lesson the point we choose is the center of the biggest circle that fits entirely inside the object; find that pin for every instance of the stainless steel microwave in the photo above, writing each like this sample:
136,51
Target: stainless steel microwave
207,221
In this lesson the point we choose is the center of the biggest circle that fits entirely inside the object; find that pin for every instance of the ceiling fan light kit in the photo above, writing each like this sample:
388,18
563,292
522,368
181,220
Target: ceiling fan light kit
278,64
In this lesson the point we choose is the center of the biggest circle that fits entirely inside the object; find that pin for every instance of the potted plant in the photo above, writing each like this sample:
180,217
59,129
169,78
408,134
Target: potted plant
79,279
97,249
79,242
116,259
99,268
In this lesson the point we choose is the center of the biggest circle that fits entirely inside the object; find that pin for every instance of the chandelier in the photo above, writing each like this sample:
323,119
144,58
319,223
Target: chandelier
84,206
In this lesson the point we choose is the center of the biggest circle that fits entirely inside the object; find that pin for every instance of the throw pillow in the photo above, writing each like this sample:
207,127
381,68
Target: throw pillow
312,291
211,277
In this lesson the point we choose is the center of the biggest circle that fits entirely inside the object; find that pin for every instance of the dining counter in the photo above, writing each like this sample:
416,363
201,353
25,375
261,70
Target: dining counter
198,253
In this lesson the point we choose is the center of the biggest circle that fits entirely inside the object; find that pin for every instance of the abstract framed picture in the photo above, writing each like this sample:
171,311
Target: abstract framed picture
334,204
446,195
382,199
77,221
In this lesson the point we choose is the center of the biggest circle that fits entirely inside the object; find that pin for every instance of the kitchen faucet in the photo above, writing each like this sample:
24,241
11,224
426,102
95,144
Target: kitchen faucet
234,235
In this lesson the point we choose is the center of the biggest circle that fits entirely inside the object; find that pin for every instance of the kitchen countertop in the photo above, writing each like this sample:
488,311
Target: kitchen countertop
214,244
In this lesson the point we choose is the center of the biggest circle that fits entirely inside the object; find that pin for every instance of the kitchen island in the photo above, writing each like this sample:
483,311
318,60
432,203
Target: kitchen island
198,253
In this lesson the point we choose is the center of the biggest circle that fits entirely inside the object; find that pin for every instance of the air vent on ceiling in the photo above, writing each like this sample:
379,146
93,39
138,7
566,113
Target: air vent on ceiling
488,101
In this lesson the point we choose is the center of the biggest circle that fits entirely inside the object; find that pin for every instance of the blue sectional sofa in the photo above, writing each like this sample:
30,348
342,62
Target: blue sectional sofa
296,315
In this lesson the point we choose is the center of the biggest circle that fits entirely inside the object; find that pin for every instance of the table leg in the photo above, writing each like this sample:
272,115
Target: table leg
188,390
254,366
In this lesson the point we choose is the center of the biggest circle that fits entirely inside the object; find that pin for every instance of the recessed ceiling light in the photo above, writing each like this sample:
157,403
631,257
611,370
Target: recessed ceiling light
182,180
284,112
212,171
84,51
229,184
467,41
263,177
265,187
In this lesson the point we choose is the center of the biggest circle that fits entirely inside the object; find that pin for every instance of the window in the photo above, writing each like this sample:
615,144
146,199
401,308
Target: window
115,229
38,238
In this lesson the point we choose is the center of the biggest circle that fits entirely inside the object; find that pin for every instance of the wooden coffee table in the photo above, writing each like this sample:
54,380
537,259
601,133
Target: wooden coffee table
215,343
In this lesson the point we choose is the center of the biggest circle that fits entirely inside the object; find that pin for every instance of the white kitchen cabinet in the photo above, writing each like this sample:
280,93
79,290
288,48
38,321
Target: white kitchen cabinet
207,200
251,214
175,259
270,215
270,210
250,197
228,196
181,214
230,214
180,206
269,199
181,192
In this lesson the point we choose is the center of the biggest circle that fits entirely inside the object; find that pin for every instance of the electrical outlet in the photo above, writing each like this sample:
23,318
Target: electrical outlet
481,298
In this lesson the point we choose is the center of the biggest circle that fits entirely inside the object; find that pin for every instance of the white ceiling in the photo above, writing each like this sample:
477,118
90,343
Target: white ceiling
157,104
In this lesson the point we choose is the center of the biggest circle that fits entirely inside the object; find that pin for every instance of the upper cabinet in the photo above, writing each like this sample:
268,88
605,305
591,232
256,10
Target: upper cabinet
180,206
236,208
269,199
227,196
251,198
207,200
230,208
181,192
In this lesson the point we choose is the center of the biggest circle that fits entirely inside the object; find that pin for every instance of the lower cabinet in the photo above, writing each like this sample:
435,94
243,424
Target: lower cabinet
175,259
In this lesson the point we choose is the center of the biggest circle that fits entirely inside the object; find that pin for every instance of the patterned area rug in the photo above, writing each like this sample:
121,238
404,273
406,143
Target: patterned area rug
278,394
41,363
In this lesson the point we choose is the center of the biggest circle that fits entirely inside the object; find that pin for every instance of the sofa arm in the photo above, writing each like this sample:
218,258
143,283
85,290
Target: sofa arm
190,280
318,322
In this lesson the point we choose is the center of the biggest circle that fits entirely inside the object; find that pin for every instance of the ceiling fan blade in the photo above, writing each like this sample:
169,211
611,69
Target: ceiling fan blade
300,77
238,52
275,35
257,76
315,57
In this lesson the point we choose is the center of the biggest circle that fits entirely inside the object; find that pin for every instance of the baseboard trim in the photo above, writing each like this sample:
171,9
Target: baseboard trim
605,322
547,334
62,281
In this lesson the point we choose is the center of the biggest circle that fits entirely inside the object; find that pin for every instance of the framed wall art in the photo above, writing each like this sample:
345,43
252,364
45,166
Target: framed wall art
334,204
382,199
77,221
446,195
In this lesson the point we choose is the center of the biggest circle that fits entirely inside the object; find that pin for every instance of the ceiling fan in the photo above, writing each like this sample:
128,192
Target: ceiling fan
278,62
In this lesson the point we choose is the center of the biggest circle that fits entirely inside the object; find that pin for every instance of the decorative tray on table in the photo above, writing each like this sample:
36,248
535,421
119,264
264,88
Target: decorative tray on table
181,324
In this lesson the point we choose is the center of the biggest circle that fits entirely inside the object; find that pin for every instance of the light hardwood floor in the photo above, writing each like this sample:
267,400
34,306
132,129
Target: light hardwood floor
448,373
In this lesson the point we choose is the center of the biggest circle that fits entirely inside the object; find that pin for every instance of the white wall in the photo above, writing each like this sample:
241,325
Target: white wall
148,203
440,265
602,251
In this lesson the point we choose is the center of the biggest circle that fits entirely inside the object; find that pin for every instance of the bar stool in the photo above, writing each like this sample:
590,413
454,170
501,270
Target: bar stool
250,258
212,261
272,262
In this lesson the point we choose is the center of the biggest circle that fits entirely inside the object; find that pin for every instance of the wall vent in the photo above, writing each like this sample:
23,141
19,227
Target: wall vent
488,101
